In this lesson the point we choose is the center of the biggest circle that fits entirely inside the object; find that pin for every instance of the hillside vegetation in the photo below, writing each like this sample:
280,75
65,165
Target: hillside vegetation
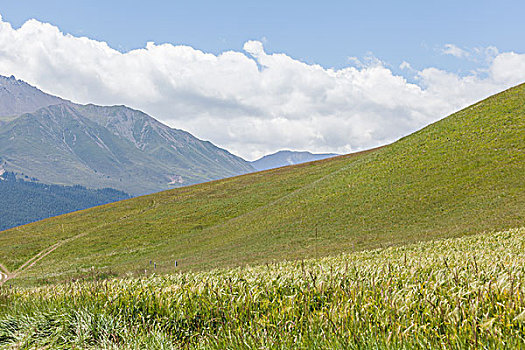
458,293
461,175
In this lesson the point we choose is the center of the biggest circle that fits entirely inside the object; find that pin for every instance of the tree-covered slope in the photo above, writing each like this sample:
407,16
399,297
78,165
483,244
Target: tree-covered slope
461,175
22,202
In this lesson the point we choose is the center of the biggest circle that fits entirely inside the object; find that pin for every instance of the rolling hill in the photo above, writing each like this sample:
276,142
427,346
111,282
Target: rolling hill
284,158
98,147
459,176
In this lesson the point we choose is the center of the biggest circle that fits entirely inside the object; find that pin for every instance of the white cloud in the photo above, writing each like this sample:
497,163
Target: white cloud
480,55
249,102
405,65
453,50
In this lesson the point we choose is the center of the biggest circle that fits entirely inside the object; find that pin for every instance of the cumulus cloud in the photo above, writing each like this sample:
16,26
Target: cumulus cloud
249,102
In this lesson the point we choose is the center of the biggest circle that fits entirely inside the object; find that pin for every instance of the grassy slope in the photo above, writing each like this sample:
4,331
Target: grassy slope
451,294
461,175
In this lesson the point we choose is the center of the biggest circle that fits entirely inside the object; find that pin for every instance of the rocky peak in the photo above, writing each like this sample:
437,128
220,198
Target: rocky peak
18,97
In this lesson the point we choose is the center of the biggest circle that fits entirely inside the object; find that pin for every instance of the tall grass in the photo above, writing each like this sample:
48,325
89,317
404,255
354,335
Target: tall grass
454,294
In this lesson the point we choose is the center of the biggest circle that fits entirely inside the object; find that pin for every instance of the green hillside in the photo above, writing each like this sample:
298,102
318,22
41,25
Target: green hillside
461,175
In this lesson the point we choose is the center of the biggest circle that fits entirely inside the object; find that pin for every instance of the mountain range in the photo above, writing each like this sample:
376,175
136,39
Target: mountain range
284,158
59,142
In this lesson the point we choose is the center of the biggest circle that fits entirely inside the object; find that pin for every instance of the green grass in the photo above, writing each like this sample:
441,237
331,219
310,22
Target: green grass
461,175
449,294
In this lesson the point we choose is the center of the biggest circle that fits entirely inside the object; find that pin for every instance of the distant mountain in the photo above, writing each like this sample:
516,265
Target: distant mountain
283,158
18,97
97,147
22,202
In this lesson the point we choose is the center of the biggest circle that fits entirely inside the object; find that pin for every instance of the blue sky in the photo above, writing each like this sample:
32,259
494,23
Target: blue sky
256,77
323,32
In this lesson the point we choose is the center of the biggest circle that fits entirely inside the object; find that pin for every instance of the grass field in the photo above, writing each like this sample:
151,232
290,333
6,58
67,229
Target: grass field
461,175
449,294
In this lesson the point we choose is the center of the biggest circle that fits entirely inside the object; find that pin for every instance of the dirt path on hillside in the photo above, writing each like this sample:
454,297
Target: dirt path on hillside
5,275
3,278
36,258
4,269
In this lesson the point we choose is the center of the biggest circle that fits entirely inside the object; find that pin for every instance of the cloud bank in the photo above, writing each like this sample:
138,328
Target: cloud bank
251,102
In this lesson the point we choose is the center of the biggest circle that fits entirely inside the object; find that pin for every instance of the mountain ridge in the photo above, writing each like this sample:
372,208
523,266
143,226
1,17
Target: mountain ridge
106,146
18,97
287,157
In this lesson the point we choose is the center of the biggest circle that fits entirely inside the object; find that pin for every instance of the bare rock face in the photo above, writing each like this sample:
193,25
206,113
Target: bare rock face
18,97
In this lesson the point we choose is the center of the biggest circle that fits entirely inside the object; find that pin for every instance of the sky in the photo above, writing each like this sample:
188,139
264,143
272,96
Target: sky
255,77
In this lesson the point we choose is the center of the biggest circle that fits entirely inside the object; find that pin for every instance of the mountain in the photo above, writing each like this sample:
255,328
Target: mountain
99,147
24,201
459,176
18,97
284,158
